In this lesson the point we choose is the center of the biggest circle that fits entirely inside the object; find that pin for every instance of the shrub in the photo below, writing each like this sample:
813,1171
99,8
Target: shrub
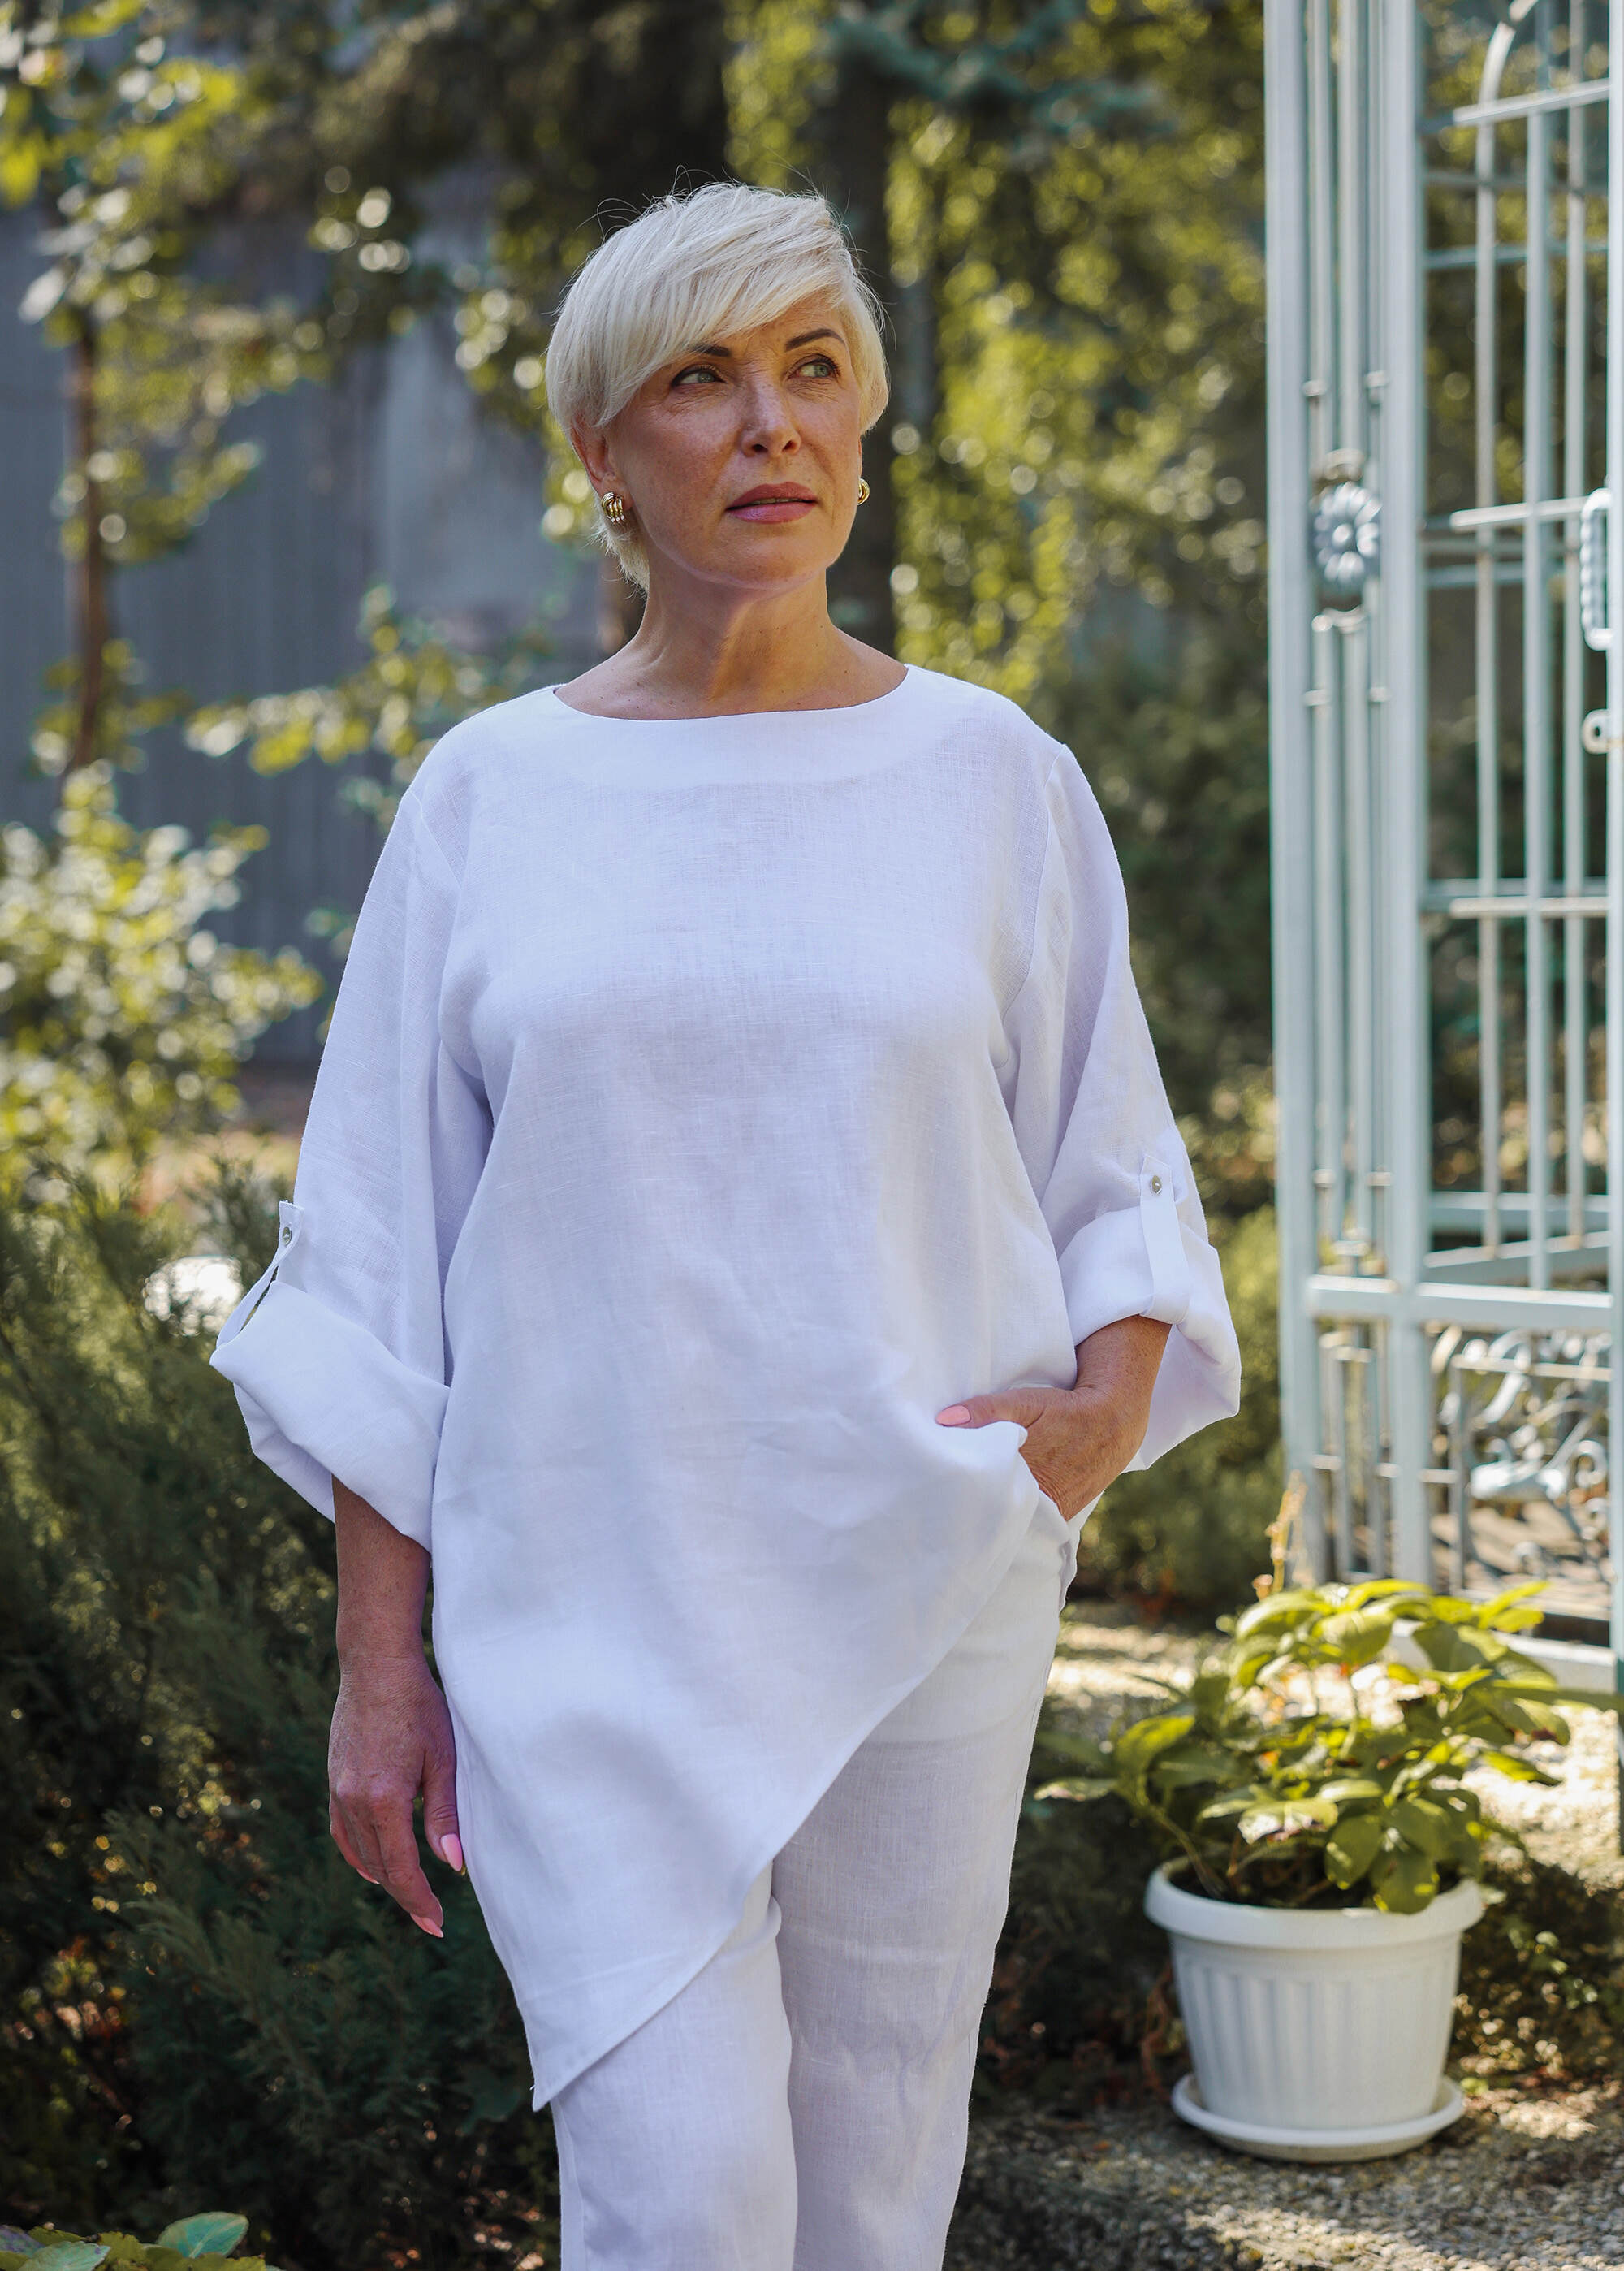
122,1018
197,1997
1191,1532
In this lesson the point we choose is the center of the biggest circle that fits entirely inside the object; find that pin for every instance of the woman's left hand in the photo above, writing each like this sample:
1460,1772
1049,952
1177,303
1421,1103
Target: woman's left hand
1080,1438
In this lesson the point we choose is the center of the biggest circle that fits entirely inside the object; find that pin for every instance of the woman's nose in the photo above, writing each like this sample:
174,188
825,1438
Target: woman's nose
768,424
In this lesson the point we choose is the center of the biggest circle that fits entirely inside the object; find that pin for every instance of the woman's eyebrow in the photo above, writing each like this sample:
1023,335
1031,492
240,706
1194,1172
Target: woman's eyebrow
805,339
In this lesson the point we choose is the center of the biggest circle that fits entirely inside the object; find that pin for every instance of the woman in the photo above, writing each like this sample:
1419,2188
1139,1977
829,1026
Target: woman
739,1232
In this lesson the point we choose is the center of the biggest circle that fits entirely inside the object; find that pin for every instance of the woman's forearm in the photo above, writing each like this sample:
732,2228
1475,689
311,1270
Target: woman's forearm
1119,1364
383,1581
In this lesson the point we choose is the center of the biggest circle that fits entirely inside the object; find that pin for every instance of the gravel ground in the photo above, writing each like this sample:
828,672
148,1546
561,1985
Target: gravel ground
1521,2183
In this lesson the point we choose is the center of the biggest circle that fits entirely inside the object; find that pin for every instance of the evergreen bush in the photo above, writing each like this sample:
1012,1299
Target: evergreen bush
196,1998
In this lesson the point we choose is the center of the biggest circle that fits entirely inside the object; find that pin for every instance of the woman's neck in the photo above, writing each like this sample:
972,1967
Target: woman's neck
722,654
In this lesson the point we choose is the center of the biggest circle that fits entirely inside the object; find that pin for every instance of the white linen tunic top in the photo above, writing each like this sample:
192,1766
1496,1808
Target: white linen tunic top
707,1104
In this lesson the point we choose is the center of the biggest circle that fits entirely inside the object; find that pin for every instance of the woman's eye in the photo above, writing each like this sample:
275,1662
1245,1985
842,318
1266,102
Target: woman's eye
700,371
820,366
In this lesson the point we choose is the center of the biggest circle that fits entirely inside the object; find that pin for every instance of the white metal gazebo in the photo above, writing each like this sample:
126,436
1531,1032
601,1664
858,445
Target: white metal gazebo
1446,267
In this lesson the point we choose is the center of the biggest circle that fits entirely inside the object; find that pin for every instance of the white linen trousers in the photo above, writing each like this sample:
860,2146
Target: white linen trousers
803,2103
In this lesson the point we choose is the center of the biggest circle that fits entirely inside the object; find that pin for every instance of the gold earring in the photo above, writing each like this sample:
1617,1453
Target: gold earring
614,508
864,491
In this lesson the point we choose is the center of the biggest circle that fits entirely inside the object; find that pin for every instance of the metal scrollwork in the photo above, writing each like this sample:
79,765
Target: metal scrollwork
1526,1415
1345,536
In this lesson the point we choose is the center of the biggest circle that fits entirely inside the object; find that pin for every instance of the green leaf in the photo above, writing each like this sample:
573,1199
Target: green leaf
1425,1824
1359,1637
1353,1790
1277,1611
215,2233
1225,1809
69,2255
1352,1846
1139,1744
13,2241
1289,1815
1518,1770
1076,1786
1405,1882
1508,1609
1396,1591
1189,1770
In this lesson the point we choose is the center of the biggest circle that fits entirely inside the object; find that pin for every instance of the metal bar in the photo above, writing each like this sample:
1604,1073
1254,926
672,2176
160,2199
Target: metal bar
1330,1129
1511,516
1403,671
1544,907
1292,820
1342,1495
1485,386
1443,892
1466,1210
1507,255
1322,269
1494,1307
1357,822
1520,106
1537,680
1614,394
1584,1256
1350,93
1576,365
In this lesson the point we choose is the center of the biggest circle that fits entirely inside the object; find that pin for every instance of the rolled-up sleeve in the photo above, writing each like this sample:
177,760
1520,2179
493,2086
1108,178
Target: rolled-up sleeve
1096,1133
338,1354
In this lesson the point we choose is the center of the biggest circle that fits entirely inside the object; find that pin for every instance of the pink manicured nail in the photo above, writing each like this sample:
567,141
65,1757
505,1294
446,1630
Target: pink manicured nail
451,1850
957,1415
432,1930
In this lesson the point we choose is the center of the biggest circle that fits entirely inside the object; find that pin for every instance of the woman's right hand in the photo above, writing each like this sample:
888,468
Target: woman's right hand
391,1737
391,1734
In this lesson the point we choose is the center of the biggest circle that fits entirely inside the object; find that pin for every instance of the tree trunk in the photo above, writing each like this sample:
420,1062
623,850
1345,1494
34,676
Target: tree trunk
850,140
93,620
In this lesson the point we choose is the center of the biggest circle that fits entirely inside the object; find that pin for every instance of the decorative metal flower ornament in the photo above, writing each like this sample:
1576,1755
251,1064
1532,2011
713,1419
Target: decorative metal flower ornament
1344,533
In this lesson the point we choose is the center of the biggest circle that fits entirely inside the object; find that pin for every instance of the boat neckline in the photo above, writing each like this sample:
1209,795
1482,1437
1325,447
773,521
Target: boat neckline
740,717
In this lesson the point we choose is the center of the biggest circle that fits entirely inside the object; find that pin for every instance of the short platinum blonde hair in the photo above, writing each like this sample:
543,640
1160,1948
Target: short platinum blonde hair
724,258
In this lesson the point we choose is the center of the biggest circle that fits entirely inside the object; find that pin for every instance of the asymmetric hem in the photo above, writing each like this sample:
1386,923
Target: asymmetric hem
707,1104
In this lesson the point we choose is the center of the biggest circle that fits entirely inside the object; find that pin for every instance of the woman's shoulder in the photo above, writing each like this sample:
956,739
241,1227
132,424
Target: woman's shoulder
990,720
445,786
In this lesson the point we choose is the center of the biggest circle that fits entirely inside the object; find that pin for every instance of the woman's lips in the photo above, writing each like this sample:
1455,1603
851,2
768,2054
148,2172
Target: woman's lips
772,508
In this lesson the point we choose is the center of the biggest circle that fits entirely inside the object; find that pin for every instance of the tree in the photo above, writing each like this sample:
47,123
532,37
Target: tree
131,145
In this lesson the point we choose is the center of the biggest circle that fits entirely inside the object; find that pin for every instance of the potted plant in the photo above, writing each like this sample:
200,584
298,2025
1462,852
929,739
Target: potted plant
1308,1787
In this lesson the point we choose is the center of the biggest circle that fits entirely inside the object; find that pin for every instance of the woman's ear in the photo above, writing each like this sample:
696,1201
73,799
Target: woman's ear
591,446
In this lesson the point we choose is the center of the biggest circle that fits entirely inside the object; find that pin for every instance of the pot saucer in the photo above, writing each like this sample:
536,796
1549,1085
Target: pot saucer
1271,2144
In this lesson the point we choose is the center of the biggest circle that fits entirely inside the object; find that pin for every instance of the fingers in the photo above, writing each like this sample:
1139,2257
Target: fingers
372,1828
403,1879
1021,1404
440,1825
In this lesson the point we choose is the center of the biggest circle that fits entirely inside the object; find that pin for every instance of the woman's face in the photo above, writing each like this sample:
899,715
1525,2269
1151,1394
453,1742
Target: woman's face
739,460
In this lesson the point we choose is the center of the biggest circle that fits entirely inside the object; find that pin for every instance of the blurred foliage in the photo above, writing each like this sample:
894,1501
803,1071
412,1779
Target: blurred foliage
1190,1532
197,2000
122,1017
412,690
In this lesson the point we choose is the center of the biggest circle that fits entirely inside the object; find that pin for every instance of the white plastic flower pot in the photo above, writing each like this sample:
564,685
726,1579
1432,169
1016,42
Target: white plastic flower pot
1316,2034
